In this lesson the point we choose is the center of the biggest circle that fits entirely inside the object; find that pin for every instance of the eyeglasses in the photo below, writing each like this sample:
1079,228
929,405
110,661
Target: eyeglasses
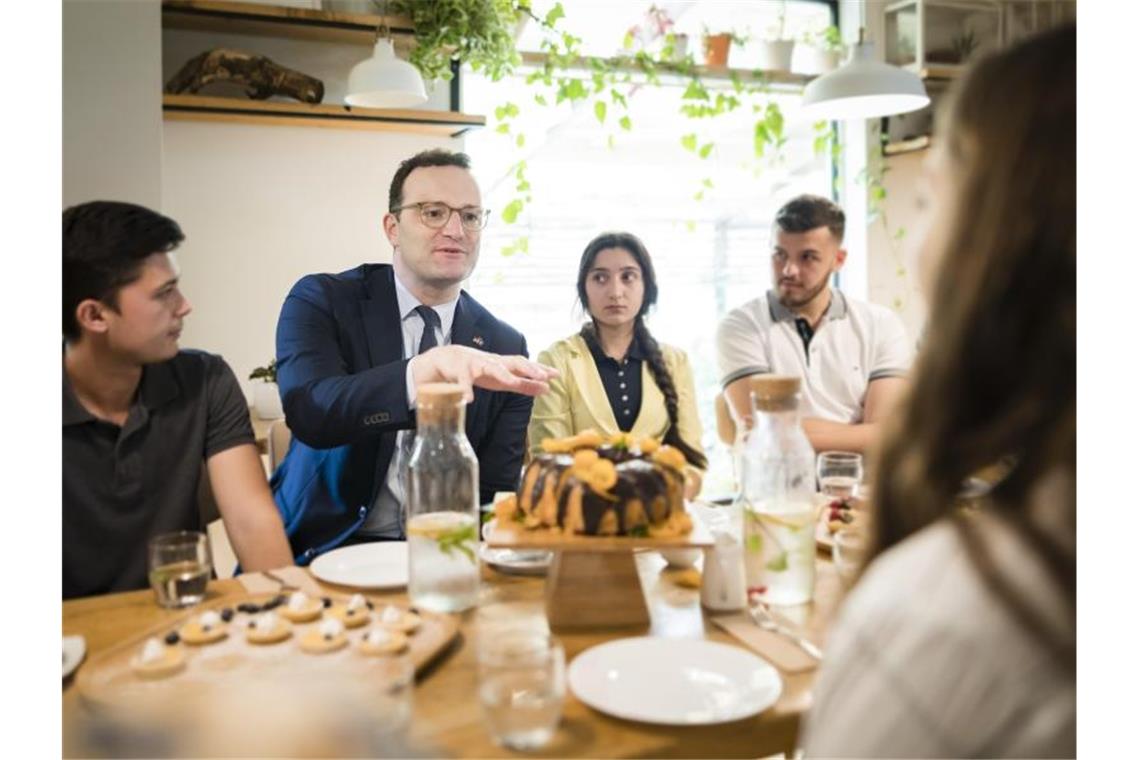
437,215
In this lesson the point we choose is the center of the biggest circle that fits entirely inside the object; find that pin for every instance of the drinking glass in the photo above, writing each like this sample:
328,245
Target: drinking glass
179,566
848,550
839,473
522,685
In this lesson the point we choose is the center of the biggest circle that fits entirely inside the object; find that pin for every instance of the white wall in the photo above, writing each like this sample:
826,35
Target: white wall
263,205
112,102
893,275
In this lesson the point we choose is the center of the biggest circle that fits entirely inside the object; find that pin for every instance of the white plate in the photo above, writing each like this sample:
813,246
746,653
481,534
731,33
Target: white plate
378,565
674,682
74,648
513,561
516,562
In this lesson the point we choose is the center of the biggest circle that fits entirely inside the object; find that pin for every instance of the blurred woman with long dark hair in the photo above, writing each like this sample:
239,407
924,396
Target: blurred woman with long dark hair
959,640
615,376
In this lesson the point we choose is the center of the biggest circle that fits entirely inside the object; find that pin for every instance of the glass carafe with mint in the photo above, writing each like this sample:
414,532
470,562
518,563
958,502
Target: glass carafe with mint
442,489
777,497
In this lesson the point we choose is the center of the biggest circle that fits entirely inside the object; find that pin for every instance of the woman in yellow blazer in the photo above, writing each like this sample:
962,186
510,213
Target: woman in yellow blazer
615,377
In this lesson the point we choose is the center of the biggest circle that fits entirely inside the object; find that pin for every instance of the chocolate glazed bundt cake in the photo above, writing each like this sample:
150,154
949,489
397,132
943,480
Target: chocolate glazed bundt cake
592,486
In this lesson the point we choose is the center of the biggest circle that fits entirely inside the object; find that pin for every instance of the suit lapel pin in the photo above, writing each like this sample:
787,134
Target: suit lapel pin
477,340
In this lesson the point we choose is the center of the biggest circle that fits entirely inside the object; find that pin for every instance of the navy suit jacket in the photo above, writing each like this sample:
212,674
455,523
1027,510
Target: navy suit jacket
341,373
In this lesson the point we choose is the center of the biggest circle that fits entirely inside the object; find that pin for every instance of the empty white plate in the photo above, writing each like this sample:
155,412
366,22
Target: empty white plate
675,682
516,562
74,648
378,565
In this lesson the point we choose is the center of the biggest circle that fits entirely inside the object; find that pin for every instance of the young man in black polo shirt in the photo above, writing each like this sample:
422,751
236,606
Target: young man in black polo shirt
140,416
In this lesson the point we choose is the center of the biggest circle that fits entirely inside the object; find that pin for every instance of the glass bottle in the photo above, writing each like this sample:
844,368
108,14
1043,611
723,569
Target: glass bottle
777,497
442,508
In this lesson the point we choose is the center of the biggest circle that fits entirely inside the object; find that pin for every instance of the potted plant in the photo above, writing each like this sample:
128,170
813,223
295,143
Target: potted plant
480,33
821,50
716,48
658,26
776,52
266,397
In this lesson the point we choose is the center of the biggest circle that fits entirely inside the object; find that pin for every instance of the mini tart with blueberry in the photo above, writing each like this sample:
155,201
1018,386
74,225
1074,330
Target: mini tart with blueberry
329,636
267,628
395,619
207,628
382,641
158,661
353,614
301,608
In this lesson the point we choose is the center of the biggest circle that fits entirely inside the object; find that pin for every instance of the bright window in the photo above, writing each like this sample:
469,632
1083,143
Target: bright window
705,221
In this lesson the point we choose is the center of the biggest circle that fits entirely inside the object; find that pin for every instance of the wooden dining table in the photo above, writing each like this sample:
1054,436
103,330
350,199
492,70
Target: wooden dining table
447,721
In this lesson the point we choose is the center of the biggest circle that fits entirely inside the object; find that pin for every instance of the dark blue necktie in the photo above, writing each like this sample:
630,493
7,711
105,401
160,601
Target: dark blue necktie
431,322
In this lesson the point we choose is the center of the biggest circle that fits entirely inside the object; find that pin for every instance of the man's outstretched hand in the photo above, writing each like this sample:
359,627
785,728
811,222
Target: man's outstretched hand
473,368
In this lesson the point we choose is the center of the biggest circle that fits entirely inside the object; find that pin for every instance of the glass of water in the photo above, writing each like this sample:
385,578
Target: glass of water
179,567
839,473
848,551
522,685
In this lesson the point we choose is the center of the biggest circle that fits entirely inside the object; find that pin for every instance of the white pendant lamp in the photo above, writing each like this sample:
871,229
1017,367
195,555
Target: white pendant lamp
385,81
863,88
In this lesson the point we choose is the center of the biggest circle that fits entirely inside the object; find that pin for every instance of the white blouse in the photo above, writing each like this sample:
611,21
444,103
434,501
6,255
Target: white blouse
925,661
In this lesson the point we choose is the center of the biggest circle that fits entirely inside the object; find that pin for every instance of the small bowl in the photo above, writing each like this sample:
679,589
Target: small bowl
681,558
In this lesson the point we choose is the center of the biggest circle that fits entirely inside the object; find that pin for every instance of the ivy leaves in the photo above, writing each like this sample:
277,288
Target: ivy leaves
601,88
477,32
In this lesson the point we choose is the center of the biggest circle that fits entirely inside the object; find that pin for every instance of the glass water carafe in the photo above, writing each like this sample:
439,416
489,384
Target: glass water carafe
442,508
777,496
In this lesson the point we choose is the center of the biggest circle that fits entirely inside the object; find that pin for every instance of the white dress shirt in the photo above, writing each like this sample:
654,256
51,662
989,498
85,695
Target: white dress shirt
386,519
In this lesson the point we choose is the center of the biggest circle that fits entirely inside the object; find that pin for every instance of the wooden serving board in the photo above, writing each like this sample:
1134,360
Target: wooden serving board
592,581
108,678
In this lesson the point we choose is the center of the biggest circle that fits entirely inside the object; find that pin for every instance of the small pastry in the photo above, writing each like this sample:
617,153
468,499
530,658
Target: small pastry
329,636
158,661
395,619
301,608
381,641
206,629
267,628
354,614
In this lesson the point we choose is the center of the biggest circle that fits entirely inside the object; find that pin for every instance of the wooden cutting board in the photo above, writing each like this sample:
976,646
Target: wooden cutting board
107,678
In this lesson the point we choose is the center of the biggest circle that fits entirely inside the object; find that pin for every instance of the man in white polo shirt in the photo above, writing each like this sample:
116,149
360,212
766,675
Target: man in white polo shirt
852,356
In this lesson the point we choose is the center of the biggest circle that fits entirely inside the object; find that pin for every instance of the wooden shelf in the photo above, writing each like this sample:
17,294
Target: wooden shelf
937,72
235,110
278,21
907,146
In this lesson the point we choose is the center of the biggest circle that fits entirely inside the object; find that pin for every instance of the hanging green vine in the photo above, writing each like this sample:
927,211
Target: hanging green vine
481,34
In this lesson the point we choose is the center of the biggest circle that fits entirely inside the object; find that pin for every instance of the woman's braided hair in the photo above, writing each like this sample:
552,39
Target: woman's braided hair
656,360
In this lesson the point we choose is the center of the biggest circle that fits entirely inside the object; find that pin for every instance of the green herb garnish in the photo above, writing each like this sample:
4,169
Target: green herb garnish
458,539
779,563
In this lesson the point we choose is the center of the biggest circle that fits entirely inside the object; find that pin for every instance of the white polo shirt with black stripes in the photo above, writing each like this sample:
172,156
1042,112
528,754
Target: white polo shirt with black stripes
854,344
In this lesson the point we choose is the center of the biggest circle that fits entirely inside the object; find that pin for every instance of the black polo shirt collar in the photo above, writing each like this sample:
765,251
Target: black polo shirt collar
74,412
157,387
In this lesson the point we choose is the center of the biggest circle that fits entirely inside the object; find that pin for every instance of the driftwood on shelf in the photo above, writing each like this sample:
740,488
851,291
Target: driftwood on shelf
259,76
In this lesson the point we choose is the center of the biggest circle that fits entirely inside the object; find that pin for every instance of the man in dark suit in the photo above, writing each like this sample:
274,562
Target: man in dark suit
353,347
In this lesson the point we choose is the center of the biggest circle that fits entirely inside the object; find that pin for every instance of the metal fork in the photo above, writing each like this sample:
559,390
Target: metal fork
763,618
